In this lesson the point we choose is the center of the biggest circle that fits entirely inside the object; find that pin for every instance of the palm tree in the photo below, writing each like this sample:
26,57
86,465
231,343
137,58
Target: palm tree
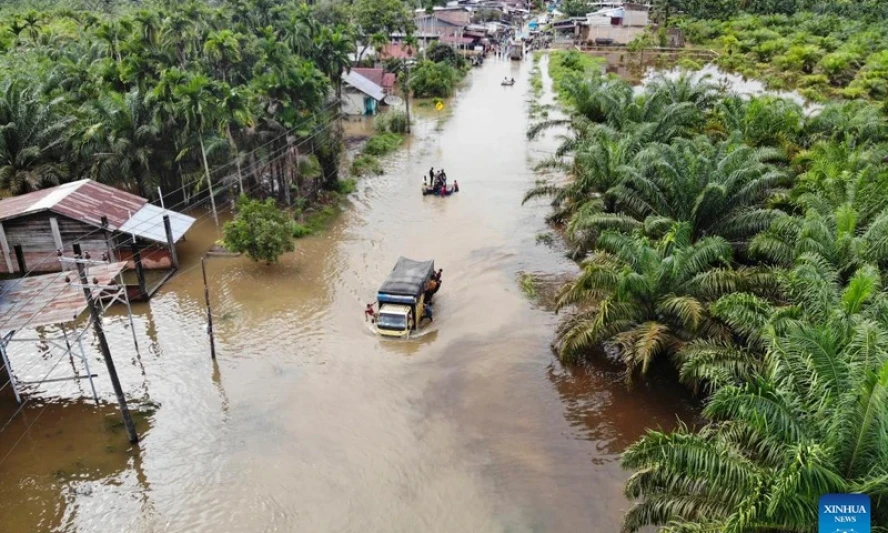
333,48
847,122
720,189
844,219
762,122
648,298
33,133
120,137
814,422
223,47
198,105
234,113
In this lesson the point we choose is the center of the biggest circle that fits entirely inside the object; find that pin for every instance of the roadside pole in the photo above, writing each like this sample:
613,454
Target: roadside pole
203,269
106,353
407,91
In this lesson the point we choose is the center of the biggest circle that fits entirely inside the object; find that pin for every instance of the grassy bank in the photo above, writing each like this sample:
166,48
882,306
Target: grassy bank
390,130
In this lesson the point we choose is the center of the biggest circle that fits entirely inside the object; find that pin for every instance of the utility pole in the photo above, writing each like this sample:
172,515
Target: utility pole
106,352
407,91
203,269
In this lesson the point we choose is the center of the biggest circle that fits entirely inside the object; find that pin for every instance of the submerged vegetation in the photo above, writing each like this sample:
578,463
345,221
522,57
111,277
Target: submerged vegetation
390,128
745,243
823,55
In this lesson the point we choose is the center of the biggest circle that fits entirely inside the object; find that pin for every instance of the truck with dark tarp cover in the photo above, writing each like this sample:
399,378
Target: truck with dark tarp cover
402,297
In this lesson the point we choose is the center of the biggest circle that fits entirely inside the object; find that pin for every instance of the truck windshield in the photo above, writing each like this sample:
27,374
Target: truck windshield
395,322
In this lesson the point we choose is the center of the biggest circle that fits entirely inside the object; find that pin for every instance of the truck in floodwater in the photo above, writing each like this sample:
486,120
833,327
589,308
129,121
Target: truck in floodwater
402,297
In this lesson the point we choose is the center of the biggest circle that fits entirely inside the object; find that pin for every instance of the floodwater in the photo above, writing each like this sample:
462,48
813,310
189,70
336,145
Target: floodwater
307,421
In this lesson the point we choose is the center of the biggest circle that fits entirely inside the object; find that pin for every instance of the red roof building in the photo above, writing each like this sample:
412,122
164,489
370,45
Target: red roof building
386,80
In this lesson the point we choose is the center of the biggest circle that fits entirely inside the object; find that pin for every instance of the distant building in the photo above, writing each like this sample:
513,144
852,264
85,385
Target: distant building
611,23
98,218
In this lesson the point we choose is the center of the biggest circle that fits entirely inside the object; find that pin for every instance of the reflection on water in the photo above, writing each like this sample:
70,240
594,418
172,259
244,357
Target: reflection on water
308,423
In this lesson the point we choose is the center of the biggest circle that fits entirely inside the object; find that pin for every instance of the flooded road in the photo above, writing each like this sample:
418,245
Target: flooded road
307,421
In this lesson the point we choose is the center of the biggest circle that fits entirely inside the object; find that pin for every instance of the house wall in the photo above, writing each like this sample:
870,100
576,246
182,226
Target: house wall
34,233
620,34
635,17
352,102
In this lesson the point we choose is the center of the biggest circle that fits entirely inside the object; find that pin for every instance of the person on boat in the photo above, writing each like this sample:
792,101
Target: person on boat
455,186
512,80
431,174
369,312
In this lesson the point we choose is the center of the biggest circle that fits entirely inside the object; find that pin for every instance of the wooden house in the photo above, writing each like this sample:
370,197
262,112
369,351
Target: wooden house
98,218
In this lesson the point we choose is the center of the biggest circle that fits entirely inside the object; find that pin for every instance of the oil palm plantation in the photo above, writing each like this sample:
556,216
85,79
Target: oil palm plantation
647,298
719,189
843,217
814,422
33,136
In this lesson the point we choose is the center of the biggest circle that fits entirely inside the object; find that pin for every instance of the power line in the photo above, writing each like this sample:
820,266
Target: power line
254,166
283,152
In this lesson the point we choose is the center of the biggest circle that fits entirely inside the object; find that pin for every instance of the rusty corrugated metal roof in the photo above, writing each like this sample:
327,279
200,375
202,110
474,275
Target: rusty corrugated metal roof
48,299
84,200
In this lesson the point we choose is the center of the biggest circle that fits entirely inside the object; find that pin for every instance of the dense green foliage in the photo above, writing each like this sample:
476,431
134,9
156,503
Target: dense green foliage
745,243
430,79
823,55
565,66
166,94
259,229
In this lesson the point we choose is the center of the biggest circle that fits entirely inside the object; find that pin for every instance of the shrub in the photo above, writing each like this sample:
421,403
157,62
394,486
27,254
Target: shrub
840,66
433,79
442,53
395,121
382,144
346,186
259,229
298,230
365,164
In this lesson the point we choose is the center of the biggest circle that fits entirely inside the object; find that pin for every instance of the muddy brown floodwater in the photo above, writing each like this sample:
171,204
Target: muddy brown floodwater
307,421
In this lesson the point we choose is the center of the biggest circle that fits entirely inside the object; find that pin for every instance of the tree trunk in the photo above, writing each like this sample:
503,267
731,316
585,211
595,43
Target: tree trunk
203,154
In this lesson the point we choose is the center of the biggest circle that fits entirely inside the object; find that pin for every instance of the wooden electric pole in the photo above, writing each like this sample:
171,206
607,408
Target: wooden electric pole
106,353
203,269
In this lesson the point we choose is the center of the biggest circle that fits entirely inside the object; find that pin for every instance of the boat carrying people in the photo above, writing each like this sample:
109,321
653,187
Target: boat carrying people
405,295
437,184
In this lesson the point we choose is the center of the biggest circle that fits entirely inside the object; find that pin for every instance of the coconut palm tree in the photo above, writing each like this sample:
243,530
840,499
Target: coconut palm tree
223,48
648,298
814,422
33,134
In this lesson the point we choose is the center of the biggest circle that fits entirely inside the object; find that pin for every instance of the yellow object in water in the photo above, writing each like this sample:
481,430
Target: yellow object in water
439,106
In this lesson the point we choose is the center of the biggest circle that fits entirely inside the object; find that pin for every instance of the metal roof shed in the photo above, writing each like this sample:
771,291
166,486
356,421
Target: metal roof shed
147,223
364,85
